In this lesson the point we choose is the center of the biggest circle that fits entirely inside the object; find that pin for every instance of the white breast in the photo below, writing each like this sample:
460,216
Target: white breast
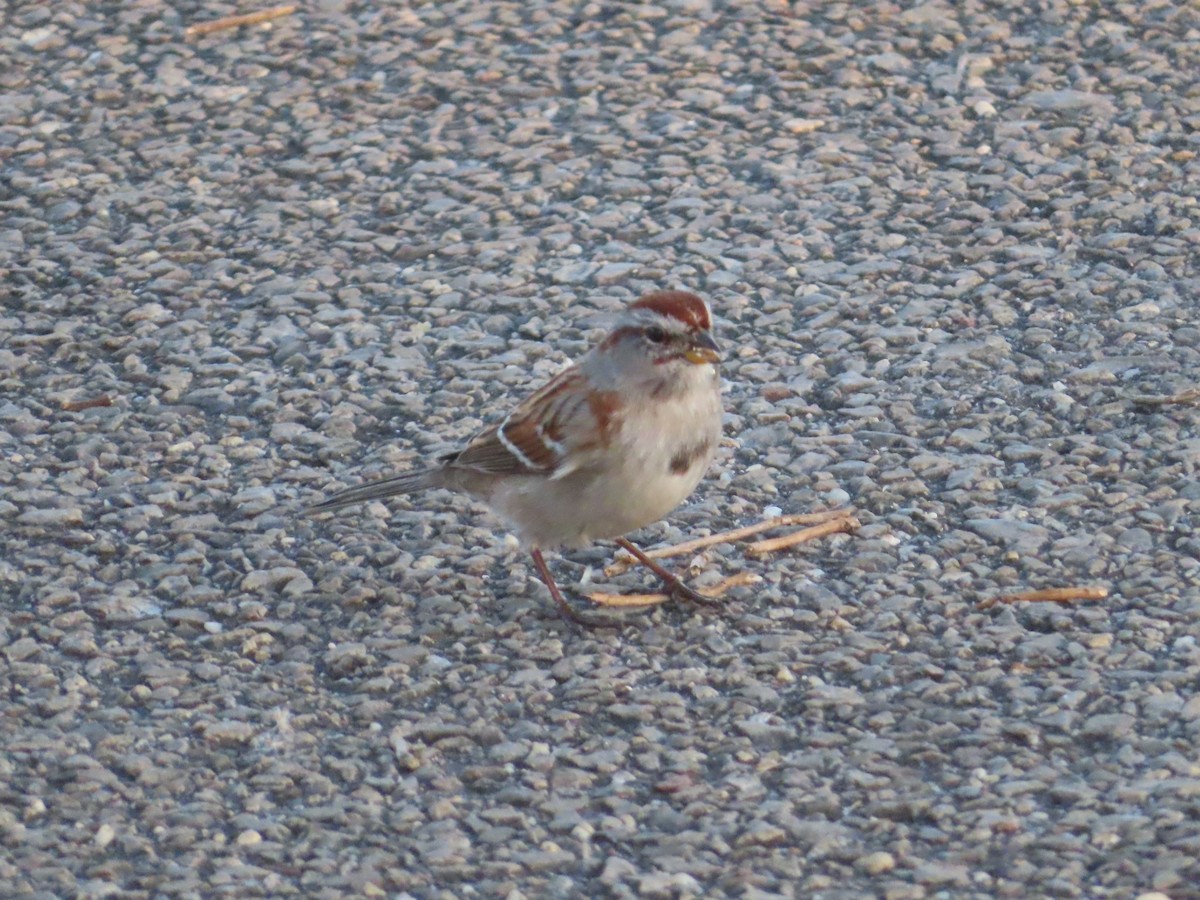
636,481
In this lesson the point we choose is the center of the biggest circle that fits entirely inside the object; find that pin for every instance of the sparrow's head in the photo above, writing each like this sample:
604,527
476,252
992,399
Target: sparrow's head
672,326
664,338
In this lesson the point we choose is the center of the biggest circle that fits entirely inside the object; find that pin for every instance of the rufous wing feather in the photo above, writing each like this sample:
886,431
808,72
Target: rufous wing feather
558,422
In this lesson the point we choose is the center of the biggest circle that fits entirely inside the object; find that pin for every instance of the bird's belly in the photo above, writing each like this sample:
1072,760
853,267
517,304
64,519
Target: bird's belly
615,514
659,457
582,508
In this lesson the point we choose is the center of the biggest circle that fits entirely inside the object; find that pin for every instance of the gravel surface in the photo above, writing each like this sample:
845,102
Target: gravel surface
950,247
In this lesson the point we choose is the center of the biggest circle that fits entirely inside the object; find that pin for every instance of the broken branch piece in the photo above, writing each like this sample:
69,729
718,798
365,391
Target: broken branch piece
719,589
1047,595
622,563
1191,395
93,403
834,526
254,18
600,598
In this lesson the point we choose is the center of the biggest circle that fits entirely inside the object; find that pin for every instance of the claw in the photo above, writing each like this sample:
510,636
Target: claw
680,591
675,587
568,612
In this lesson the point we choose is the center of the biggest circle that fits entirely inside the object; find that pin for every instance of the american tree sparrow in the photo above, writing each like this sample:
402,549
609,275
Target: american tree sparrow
607,446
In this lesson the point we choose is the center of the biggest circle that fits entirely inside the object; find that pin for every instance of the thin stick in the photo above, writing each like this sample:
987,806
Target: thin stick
720,589
254,18
600,598
1047,595
93,403
1189,396
621,564
760,548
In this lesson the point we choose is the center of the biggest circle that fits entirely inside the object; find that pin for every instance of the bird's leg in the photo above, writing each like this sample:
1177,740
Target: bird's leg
675,586
565,609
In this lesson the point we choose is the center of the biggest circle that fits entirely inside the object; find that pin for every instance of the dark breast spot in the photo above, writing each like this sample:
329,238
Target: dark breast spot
684,459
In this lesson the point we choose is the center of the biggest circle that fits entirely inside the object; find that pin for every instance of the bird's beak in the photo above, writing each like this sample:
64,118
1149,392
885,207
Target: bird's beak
703,350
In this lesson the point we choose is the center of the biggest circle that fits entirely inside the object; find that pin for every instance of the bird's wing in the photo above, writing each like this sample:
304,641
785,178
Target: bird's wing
552,432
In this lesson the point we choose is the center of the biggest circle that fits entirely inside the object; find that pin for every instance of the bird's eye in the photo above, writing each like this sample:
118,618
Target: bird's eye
655,335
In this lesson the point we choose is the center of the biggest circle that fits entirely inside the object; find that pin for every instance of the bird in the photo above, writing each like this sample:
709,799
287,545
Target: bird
610,444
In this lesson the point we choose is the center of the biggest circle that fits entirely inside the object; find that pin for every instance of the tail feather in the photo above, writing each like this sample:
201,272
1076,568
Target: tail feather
374,490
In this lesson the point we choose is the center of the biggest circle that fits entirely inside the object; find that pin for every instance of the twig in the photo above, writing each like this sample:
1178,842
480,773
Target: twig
622,563
600,598
771,545
1047,595
93,403
254,18
720,589
723,586
1191,395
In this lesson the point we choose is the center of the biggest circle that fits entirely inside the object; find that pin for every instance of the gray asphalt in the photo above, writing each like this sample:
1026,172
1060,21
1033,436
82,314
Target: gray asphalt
952,250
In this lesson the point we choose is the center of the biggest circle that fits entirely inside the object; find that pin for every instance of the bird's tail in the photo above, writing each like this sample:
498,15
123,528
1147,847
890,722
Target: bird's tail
375,490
